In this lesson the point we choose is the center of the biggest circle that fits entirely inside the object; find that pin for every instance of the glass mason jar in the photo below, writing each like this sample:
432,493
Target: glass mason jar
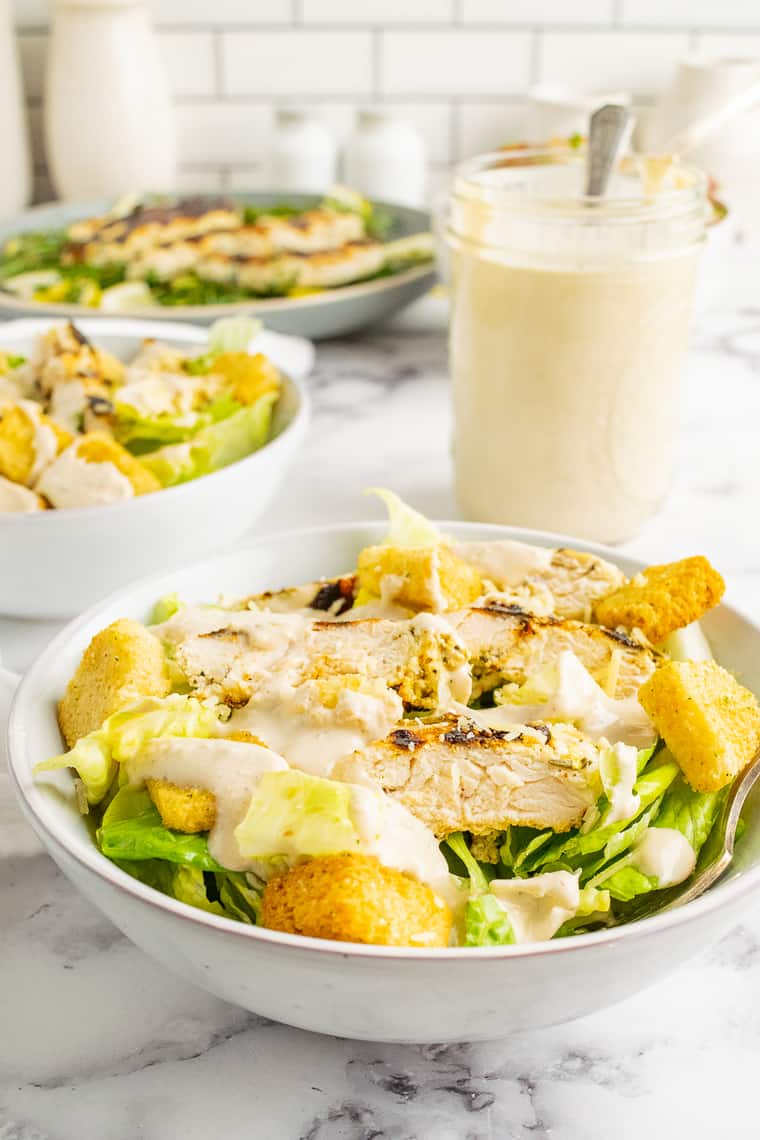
569,325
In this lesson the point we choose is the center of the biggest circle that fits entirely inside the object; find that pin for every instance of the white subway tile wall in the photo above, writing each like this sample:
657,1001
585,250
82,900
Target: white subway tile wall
458,69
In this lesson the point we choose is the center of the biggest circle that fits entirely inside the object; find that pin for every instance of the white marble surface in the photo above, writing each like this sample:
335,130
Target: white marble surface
98,1043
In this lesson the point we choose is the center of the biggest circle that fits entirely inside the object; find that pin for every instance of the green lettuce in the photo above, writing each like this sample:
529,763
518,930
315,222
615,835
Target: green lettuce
407,526
131,828
214,446
165,608
292,814
96,756
485,922
692,813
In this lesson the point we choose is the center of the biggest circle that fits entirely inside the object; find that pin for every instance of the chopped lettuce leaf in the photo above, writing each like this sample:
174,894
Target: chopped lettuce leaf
189,886
165,608
692,813
688,644
407,526
214,446
486,923
238,897
627,882
131,828
292,814
96,756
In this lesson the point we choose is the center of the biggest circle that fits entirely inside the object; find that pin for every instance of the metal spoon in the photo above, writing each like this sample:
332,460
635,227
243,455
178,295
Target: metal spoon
715,856
609,131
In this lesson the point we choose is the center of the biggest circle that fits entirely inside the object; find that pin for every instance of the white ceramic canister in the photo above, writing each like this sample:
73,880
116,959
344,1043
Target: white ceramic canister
385,159
14,144
302,156
702,86
569,326
108,117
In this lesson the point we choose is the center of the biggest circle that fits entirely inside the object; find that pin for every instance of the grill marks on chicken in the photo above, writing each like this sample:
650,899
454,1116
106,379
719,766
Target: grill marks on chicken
504,643
457,776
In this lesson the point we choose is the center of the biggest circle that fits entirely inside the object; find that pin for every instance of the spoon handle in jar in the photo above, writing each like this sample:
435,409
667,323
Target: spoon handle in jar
609,131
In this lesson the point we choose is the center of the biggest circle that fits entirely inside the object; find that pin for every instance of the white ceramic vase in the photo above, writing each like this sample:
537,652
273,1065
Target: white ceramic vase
302,156
108,120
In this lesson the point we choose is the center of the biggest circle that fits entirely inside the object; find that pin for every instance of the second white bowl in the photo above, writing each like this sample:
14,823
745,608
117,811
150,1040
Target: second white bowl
53,564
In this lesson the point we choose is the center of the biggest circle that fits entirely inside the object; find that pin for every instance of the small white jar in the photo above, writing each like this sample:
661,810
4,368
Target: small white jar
109,124
302,156
385,159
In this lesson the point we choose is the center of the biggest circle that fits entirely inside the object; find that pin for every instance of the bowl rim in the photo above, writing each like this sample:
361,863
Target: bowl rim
719,896
178,331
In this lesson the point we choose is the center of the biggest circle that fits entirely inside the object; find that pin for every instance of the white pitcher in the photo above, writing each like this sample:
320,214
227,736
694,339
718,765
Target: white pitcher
14,144
108,119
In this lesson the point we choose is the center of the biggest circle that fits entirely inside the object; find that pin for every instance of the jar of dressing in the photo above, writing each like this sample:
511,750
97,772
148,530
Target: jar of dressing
569,325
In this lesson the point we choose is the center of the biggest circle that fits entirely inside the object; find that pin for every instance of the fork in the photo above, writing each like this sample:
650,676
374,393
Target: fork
715,856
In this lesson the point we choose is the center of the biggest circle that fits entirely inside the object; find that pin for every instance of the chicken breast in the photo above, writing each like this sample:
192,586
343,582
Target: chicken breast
457,776
565,583
310,232
504,643
224,654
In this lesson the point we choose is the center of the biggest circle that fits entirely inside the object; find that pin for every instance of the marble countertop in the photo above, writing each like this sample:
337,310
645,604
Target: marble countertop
99,1043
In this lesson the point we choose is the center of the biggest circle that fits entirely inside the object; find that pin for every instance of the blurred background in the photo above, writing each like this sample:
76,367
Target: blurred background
459,72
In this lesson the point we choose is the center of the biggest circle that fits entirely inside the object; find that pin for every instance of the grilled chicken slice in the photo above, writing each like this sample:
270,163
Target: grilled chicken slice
456,776
329,596
504,643
326,269
310,232
224,654
565,583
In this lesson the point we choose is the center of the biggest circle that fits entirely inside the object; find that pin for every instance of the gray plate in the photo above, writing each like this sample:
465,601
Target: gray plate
331,313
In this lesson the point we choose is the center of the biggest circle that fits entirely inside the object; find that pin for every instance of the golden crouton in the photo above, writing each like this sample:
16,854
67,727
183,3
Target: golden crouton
122,663
96,447
422,578
663,599
247,376
183,809
18,447
354,898
709,721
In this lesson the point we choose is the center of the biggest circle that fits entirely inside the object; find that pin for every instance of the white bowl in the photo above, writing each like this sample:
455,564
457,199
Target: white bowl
370,992
55,563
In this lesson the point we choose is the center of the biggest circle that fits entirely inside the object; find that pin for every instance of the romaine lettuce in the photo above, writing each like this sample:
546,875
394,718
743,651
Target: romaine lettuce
407,526
230,334
96,756
214,446
132,829
294,814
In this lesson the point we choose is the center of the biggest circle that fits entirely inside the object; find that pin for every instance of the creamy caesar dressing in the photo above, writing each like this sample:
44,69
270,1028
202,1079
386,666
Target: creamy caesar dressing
664,854
454,685
538,906
17,499
44,443
10,392
150,394
68,403
70,481
505,562
313,735
398,839
229,769
619,771
572,694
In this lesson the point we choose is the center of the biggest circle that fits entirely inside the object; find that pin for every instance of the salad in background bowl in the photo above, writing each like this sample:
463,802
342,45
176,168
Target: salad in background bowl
150,441
313,266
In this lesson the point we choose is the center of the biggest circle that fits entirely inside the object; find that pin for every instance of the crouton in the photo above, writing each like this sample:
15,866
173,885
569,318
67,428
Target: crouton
183,809
421,578
709,721
663,599
21,455
247,376
354,898
100,448
122,663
